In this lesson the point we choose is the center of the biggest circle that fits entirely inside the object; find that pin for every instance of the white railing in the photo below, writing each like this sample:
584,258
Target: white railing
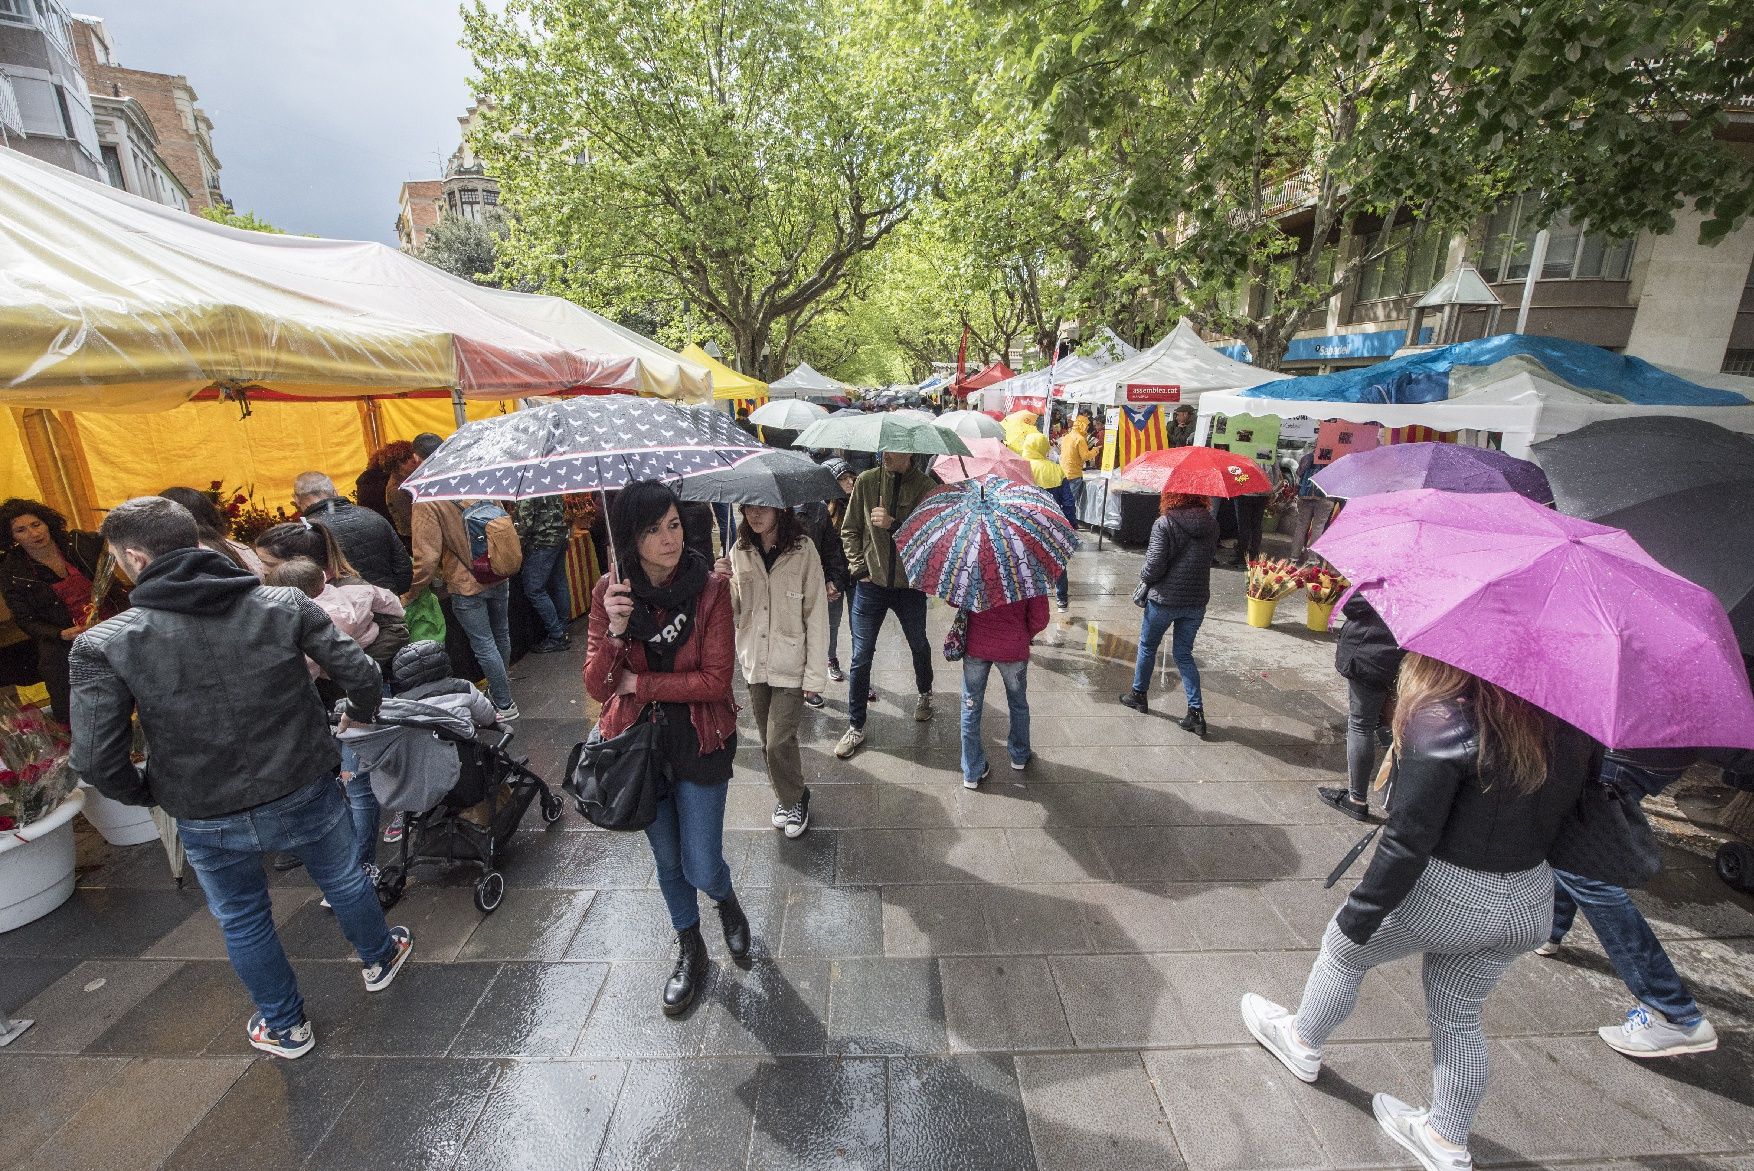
11,120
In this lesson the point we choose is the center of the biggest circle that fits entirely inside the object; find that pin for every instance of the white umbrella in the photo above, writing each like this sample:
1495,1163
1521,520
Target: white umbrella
792,414
972,424
912,413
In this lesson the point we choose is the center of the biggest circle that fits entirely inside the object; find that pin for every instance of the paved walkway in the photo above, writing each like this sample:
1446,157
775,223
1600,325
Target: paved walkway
1040,975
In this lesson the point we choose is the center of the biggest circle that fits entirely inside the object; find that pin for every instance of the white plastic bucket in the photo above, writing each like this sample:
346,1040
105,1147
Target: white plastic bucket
36,865
121,825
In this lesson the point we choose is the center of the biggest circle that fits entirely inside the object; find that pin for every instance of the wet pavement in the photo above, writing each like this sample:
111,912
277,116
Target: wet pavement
1043,974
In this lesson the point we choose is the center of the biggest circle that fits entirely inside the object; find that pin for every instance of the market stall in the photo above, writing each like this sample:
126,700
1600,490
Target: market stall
806,382
736,390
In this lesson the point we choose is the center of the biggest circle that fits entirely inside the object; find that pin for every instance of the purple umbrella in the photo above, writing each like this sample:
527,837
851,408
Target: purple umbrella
1453,467
1572,616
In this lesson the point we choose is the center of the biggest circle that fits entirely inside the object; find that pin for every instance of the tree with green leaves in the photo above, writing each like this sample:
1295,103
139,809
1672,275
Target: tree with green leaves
733,159
249,221
466,247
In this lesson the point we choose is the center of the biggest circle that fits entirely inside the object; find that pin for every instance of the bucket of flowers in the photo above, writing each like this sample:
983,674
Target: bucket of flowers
246,517
1268,579
1324,587
38,798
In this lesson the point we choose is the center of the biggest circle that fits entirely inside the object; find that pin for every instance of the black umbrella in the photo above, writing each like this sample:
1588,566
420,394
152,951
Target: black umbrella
777,479
1684,489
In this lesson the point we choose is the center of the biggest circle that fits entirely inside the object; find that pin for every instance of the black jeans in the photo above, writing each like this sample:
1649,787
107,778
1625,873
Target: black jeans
1364,714
1251,515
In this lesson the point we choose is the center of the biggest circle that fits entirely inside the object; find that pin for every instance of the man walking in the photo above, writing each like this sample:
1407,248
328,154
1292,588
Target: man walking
545,534
241,753
882,498
366,539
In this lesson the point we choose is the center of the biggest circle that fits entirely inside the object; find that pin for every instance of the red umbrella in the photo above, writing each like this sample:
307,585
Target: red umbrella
1198,471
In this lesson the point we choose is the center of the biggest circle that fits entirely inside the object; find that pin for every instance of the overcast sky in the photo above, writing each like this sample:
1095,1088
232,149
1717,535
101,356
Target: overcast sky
320,108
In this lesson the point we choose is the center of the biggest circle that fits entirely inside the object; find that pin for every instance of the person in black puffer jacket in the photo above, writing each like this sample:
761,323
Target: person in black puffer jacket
1177,578
366,538
1482,785
1367,657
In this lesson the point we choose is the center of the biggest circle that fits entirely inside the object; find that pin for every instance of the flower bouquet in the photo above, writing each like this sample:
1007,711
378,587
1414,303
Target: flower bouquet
1324,587
34,775
246,518
1267,581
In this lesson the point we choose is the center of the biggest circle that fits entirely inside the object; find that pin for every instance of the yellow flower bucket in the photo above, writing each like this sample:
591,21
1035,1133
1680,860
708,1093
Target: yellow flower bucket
1261,611
1318,616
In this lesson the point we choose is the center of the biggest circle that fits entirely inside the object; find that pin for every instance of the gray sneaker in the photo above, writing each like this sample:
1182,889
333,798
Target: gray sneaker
1648,1034
850,741
1407,1126
1276,1030
923,707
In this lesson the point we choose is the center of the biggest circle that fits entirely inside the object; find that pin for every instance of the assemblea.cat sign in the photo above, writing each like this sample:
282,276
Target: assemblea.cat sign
1154,392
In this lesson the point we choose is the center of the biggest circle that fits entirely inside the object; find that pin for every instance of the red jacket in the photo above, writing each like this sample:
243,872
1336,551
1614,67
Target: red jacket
701,678
1002,634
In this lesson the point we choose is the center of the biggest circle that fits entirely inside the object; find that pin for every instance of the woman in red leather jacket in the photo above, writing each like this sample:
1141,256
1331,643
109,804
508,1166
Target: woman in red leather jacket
661,638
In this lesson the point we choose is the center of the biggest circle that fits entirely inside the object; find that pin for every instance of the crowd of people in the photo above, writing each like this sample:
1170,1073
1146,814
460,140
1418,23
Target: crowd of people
234,657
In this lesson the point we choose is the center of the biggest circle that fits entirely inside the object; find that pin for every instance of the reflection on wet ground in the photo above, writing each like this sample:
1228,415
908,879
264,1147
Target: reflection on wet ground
1040,974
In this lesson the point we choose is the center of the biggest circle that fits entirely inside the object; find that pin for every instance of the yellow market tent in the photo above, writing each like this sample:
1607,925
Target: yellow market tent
728,384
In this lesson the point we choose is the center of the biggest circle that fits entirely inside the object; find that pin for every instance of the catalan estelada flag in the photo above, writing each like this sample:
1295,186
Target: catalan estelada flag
739,405
1416,435
1142,429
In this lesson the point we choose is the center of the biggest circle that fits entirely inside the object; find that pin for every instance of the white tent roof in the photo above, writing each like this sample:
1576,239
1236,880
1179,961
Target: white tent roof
1181,359
1524,406
806,382
1035,383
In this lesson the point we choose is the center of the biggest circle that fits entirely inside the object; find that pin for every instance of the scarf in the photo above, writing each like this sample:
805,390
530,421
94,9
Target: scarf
675,598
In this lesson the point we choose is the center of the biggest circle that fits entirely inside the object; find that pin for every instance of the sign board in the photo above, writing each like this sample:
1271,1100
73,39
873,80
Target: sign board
1154,392
1111,430
1025,402
1337,437
1300,429
1256,436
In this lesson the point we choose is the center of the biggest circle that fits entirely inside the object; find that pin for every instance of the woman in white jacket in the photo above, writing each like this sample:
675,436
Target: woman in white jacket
780,601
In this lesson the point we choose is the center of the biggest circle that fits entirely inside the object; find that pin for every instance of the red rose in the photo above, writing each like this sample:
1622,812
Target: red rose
7,823
8,778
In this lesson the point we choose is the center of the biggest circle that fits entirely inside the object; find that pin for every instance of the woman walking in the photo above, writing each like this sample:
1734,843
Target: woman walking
1367,657
1177,576
1481,783
998,638
661,636
780,602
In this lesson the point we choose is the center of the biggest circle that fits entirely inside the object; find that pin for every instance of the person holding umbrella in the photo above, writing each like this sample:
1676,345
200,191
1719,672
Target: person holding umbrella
1177,580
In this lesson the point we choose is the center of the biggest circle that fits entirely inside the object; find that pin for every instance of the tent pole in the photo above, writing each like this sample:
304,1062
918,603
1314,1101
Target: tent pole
1537,262
457,407
1102,516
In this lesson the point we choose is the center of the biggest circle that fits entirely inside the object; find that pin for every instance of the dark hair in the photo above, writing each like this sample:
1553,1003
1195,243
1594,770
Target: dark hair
209,522
390,455
151,525
18,506
789,530
637,508
425,444
307,538
301,573
1174,500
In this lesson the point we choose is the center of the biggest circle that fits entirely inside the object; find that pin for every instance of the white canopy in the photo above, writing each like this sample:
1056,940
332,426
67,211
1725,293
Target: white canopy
1181,360
807,382
1035,383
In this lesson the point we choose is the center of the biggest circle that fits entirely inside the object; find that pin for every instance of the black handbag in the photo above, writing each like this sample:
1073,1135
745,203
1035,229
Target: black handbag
617,783
1607,838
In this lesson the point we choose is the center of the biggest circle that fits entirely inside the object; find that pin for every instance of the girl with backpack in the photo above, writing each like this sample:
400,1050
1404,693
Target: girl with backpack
471,549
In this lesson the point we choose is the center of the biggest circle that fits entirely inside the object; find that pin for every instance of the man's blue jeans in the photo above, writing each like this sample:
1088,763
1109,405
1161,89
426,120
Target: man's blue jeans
688,842
870,605
974,698
362,807
1633,948
544,579
313,825
1157,621
486,619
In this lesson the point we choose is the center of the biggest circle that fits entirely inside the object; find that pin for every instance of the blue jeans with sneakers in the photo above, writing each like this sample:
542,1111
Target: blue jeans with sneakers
486,619
312,824
974,698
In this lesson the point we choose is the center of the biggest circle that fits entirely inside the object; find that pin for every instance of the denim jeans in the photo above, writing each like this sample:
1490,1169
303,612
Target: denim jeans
1633,948
1077,487
688,842
362,807
871,604
834,612
1364,715
1063,588
974,697
312,824
486,619
544,579
1157,621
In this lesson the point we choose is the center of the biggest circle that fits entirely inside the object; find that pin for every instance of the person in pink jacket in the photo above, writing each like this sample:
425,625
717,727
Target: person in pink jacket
998,638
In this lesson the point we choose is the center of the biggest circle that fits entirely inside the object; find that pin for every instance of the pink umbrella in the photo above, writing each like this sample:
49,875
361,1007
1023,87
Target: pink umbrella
1572,616
987,457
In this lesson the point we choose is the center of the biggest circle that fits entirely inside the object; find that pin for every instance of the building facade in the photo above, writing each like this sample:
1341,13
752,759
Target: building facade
43,94
129,146
466,190
418,209
184,132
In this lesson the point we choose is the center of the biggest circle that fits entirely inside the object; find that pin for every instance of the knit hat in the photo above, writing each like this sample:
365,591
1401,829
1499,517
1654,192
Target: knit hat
419,663
837,467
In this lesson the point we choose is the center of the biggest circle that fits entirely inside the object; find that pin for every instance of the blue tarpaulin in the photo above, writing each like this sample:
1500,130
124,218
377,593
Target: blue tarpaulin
1425,378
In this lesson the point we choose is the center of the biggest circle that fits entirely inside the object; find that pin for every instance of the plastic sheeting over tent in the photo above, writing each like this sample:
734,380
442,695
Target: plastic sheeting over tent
808,382
111,303
1518,386
1181,360
1031,389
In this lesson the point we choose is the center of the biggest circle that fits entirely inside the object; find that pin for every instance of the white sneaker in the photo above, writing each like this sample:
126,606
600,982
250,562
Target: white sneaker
505,714
1649,1034
850,741
1549,949
1276,1030
1407,1126
779,816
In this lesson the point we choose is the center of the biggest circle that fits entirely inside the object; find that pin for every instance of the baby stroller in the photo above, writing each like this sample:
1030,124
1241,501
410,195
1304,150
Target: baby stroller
461,792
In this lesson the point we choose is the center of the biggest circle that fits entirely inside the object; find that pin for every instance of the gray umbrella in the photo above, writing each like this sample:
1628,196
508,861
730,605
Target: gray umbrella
777,479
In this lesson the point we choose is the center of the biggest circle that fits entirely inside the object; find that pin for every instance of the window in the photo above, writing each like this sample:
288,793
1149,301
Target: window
113,167
470,195
1412,265
1739,362
37,106
16,11
490,197
1507,244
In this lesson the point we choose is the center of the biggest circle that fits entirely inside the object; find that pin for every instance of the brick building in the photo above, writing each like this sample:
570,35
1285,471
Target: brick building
184,132
417,210
466,190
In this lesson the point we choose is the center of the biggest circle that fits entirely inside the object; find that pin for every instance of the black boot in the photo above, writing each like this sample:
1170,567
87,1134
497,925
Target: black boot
690,971
1134,700
1194,721
736,925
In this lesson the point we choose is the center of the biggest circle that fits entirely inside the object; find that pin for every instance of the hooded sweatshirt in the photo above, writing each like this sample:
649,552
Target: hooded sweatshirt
1048,475
1075,449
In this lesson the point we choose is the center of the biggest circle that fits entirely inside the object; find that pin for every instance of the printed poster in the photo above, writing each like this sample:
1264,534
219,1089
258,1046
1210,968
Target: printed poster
1256,436
1337,437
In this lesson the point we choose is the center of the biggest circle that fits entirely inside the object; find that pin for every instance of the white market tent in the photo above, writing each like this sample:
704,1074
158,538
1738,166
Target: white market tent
808,382
1182,360
1034,385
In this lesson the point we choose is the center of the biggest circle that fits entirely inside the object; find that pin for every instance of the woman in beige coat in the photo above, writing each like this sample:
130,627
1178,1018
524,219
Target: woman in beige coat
780,601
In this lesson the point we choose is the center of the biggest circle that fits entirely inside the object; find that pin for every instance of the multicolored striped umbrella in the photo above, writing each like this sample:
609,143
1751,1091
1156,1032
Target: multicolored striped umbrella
986,542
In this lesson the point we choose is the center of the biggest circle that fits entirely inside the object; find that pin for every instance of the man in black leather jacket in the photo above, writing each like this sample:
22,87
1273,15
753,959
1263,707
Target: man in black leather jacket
366,539
238,745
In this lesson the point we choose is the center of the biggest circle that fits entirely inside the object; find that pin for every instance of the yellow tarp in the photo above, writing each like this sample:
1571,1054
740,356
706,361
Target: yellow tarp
16,477
727,383
404,418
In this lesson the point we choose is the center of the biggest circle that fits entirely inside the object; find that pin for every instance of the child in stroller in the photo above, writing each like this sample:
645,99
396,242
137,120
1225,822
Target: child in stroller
437,756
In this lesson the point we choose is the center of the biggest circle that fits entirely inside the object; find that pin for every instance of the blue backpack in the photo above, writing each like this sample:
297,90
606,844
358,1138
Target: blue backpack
494,550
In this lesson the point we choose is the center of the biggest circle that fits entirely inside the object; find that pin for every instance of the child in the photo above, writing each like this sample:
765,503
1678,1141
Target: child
998,637
359,610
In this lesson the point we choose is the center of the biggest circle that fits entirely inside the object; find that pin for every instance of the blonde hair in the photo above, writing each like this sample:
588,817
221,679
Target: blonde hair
1515,737
301,573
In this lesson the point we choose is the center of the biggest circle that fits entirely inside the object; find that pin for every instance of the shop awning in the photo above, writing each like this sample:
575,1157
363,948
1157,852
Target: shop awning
727,383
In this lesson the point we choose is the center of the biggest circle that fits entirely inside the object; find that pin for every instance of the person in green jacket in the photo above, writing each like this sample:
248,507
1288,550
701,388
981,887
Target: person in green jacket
882,499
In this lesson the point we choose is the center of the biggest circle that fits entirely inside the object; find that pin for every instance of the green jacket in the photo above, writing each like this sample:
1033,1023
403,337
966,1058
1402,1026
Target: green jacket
871,551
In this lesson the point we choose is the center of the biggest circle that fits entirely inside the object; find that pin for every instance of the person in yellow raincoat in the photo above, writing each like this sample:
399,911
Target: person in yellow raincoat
1075,454
1019,424
1051,478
